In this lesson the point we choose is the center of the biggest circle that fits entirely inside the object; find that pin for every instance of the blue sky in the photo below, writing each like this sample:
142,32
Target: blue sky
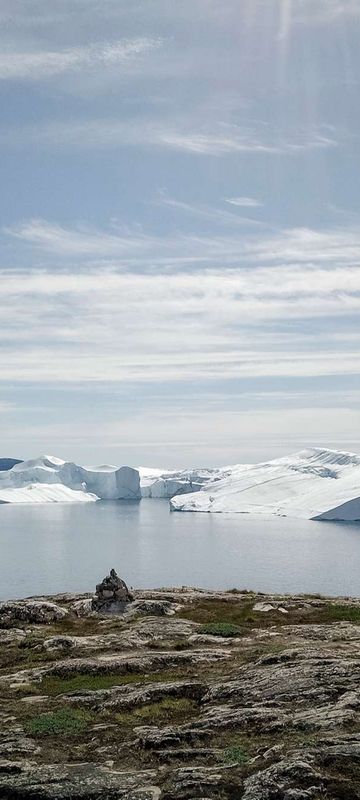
180,237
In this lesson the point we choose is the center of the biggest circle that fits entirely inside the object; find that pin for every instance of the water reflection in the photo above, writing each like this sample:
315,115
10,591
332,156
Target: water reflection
53,548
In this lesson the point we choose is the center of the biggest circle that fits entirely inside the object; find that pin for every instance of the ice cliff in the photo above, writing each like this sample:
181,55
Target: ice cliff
311,484
104,482
167,484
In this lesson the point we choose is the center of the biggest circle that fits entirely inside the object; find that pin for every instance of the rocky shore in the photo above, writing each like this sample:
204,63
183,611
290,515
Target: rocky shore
177,694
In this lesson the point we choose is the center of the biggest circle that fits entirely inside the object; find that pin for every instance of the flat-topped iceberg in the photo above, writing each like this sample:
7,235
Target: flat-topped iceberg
45,493
104,482
312,484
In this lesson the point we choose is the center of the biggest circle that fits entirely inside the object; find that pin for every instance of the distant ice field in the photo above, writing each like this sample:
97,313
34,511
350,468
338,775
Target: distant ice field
314,484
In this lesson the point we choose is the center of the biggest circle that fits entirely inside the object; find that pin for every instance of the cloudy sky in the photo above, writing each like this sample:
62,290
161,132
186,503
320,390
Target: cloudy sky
180,229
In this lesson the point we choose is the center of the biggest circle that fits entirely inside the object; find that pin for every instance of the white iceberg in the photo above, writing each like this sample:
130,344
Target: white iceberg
106,482
45,493
166,484
312,484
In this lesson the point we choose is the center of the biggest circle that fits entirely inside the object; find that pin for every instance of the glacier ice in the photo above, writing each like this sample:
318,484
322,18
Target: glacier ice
312,484
166,484
106,482
45,493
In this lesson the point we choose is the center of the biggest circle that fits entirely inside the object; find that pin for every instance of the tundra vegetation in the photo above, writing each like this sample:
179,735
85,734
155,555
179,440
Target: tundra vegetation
180,694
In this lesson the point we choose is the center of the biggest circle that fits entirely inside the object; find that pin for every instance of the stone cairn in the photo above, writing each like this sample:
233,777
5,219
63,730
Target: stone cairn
111,594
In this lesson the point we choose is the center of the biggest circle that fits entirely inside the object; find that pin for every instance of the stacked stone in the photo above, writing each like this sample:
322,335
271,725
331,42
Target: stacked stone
111,594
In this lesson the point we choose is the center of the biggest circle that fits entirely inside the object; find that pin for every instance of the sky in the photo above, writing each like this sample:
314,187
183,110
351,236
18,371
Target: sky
179,229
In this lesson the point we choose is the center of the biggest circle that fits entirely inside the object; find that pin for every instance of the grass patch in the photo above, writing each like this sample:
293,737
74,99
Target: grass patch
337,612
232,612
167,710
241,614
64,722
85,681
236,754
225,629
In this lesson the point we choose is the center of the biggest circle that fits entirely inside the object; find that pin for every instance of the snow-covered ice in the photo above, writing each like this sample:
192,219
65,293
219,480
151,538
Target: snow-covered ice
166,484
106,482
312,484
45,493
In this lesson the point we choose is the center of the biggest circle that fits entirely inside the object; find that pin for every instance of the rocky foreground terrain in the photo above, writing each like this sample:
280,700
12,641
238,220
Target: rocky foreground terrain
179,694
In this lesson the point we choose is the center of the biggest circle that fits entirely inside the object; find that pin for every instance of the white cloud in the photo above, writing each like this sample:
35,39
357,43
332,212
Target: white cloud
80,241
102,326
244,202
222,140
209,213
43,64
206,323
289,246
178,437
233,139
105,325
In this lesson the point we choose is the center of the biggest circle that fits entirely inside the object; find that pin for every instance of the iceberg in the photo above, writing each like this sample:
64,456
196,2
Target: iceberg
166,484
317,484
105,482
45,493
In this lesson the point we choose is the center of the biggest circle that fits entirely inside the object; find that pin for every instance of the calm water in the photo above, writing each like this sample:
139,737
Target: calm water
53,548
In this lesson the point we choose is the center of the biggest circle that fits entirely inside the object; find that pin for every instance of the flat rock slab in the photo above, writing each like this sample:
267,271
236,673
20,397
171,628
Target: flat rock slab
40,612
78,782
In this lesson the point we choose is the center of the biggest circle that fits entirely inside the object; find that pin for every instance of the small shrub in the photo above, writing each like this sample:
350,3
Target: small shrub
65,722
225,629
235,755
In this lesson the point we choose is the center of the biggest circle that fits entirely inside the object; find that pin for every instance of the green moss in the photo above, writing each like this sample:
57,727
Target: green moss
236,754
225,629
85,681
336,612
64,722
241,613
236,612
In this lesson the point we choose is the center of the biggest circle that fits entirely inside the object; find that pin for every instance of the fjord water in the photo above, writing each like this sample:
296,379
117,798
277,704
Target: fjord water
52,548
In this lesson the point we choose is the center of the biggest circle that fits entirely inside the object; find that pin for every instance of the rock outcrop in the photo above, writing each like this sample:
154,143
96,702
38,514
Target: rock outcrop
141,706
39,612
